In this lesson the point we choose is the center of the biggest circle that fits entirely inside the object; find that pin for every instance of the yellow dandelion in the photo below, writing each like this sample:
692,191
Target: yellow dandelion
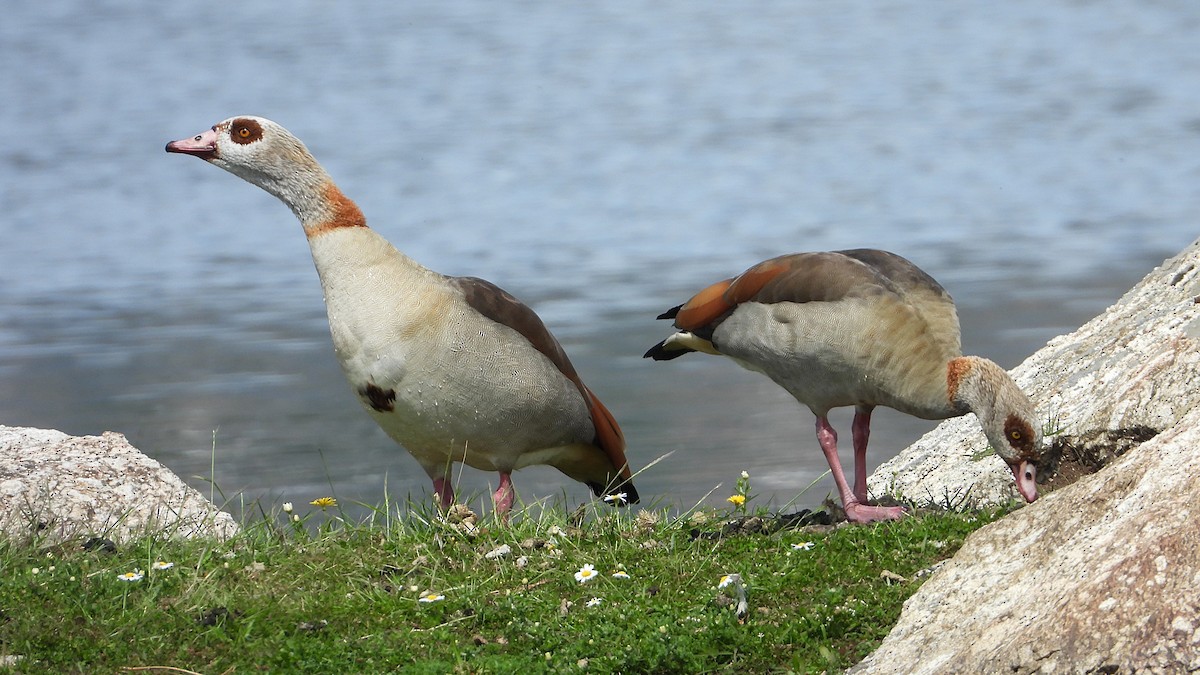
324,502
737,500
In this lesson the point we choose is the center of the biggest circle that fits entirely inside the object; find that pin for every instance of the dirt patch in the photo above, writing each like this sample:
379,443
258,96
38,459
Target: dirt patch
1073,456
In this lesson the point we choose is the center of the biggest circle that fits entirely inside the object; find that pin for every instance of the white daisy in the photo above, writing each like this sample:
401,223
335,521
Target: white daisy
585,573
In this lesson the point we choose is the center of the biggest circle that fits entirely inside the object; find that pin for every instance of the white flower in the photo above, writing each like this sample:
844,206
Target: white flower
585,573
295,517
618,498
135,575
431,597
620,574
803,546
725,581
287,507
162,565
593,602
745,475
35,570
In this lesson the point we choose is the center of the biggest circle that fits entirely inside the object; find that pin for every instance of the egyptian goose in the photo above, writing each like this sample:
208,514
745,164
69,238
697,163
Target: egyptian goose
452,368
862,328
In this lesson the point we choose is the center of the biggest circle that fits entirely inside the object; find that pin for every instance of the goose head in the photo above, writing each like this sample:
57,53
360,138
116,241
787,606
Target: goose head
265,154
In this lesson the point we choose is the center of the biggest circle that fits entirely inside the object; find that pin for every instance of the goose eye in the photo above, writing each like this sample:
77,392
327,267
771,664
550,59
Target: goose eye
1016,435
245,131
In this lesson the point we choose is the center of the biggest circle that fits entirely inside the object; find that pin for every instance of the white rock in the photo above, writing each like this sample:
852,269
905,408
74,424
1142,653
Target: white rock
1026,590
1099,576
56,486
1135,365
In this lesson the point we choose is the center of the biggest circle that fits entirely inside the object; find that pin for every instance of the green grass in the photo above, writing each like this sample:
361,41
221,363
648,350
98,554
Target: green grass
325,596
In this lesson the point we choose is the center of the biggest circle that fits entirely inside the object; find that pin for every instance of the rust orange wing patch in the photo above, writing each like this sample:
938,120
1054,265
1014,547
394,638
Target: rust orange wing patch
709,304
704,307
609,436
750,282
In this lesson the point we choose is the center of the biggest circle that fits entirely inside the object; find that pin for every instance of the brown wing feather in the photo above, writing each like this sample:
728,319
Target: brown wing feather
922,292
496,304
797,277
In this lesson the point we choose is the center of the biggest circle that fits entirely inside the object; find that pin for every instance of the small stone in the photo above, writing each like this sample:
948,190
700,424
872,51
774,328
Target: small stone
498,552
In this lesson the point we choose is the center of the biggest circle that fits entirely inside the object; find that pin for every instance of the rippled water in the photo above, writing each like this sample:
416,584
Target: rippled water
599,160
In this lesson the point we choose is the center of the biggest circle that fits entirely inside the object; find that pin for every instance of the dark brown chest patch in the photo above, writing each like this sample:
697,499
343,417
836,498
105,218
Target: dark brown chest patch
380,400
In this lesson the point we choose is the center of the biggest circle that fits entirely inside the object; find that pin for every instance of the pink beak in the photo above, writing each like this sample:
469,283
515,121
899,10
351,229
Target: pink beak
1026,476
203,146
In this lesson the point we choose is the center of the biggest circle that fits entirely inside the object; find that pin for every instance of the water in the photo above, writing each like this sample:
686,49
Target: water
601,161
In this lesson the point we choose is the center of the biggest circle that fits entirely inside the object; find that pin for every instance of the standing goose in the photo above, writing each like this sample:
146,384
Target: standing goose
452,368
862,328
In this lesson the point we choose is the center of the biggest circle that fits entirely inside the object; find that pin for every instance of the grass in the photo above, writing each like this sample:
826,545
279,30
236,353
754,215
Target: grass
319,594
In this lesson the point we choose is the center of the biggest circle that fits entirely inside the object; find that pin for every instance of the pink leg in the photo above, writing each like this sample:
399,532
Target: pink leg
503,498
442,487
861,431
856,511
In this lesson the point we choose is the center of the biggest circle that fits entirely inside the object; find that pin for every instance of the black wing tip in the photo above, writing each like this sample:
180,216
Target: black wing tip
670,313
659,352
613,495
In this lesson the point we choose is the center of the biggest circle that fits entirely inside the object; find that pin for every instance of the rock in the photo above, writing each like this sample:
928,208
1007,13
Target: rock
1128,372
55,486
1100,575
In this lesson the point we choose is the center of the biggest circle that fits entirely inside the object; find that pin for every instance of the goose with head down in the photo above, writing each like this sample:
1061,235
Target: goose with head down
452,368
860,328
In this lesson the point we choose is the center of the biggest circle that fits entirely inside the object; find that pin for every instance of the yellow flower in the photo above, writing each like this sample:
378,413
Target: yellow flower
324,502
737,500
